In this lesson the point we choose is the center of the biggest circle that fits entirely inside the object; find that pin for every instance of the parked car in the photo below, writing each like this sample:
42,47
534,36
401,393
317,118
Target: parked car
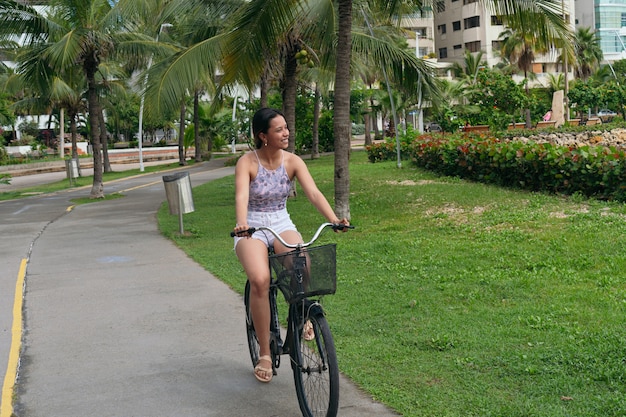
606,112
606,115
433,127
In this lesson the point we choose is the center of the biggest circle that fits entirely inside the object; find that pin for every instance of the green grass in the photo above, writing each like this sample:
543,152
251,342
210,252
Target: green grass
456,298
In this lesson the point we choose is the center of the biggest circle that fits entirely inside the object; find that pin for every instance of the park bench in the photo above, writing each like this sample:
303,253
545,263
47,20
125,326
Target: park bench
477,128
546,124
512,126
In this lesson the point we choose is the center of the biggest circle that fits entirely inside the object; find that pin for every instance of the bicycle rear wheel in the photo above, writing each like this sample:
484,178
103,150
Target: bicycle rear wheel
253,342
315,370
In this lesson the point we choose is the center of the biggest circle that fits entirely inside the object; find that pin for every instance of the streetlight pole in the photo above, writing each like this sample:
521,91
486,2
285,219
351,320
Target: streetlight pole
141,105
565,69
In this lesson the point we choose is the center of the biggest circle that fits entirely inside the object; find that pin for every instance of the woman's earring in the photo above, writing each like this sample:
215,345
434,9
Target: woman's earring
265,143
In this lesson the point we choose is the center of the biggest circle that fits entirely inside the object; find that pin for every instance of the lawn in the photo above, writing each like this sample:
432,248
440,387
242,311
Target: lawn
456,298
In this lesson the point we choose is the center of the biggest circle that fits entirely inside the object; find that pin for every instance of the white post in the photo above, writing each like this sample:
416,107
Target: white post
420,111
145,83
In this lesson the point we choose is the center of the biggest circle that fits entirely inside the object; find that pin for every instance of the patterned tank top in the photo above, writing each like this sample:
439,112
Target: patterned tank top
269,189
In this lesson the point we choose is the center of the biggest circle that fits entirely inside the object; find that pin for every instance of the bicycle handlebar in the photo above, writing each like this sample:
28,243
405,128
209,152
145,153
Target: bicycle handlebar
334,226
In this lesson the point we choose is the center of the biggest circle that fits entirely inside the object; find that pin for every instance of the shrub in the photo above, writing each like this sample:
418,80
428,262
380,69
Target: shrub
593,171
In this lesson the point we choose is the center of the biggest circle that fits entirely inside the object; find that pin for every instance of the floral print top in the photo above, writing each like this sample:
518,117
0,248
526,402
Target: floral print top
269,189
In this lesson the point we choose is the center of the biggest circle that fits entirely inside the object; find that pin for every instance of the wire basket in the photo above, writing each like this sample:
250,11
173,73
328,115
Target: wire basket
306,273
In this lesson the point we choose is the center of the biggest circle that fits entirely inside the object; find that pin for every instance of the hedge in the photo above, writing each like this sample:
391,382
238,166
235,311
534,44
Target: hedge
593,171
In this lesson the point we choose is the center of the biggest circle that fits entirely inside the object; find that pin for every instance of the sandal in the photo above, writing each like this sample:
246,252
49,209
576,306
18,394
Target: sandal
261,373
308,331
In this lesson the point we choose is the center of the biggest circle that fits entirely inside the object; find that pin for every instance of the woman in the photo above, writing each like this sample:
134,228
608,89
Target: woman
262,184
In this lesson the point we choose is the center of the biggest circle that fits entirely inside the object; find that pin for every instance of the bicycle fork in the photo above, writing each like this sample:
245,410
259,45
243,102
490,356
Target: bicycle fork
276,342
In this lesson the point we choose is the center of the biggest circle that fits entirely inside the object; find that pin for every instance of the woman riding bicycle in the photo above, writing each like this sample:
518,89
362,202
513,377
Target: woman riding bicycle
262,185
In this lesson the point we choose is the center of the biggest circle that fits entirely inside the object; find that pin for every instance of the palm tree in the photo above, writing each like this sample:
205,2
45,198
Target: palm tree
588,52
82,33
472,63
520,48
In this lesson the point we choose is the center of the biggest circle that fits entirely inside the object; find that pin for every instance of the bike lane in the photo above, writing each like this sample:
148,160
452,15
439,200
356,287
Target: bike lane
120,322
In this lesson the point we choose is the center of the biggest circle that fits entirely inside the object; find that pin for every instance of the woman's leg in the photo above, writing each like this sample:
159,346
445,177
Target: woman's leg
290,236
252,254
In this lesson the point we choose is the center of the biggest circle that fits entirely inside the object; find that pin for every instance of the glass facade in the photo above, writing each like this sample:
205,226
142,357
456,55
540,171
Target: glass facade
610,20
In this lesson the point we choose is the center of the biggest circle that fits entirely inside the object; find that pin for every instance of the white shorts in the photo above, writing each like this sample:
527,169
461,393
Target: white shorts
280,221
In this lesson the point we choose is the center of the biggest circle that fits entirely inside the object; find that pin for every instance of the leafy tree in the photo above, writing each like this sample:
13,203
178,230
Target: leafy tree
83,34
520,47
499,99
584,96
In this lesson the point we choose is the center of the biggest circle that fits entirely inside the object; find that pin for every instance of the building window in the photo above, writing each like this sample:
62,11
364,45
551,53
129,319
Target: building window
623,19
472,22
456,25
496,45
421,32
443,52
496,20
440,6
469,1
473,46
459,46
441,29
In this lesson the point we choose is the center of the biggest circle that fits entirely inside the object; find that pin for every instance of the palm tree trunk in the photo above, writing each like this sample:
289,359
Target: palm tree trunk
289,97
196,126
73,134
373,117
315,151
342,111
97,188
368,133
290,90
104,141
181,135
263,86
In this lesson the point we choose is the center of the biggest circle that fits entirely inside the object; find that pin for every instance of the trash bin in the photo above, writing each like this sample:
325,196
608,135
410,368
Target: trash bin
71,168
178,192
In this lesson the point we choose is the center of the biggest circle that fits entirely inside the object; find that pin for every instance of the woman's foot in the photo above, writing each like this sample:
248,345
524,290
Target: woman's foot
262,373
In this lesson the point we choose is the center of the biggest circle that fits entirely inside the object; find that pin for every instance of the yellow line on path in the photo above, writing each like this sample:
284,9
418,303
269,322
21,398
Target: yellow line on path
6,406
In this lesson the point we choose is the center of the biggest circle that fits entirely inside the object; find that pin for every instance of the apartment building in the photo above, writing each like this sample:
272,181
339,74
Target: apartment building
420,33
469,25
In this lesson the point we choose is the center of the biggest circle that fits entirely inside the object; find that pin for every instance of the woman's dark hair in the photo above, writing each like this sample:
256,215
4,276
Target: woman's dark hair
261,122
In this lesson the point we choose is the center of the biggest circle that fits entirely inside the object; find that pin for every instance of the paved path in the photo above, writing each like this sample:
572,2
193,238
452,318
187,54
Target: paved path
120,322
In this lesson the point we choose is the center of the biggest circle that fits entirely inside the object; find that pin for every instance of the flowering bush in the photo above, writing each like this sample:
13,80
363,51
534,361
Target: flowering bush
594,171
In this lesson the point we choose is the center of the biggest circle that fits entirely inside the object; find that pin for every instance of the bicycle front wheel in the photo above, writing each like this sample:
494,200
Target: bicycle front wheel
315,369
253,342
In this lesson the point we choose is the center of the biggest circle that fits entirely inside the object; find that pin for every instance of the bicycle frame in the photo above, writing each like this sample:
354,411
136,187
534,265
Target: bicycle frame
313,356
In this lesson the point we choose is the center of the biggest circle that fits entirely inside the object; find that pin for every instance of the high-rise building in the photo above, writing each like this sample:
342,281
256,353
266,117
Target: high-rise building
608,19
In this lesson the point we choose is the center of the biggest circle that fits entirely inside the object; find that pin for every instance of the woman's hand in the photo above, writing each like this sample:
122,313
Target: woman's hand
344,222
241,230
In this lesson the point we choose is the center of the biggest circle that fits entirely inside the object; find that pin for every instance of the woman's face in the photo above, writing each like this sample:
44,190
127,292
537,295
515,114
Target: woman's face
277,133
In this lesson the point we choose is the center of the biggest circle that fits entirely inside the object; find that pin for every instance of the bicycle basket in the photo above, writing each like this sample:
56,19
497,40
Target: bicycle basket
316,275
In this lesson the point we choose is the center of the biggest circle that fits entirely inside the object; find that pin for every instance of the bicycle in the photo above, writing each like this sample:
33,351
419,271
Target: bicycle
301,274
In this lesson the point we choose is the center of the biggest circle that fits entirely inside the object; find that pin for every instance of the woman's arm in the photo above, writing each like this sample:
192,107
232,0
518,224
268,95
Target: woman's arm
242,191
